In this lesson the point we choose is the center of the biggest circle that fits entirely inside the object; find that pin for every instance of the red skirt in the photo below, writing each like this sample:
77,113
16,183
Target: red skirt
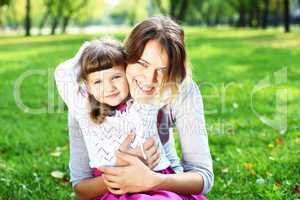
150,195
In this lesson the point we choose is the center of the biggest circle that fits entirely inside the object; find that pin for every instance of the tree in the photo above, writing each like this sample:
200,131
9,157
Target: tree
241,8
265,14
57,14
2,4
48,4
286,16
27,18
70,8
177,8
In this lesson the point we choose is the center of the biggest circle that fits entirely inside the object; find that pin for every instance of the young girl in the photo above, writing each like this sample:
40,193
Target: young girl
102,105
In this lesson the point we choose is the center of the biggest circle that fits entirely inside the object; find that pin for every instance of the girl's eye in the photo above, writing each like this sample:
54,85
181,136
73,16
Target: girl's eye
97,82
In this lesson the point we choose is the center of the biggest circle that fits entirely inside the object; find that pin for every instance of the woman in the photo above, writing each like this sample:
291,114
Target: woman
156,63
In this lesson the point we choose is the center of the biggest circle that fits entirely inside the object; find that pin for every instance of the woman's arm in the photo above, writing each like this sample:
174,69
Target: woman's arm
143,179
66,78
84,184
188,114
198,177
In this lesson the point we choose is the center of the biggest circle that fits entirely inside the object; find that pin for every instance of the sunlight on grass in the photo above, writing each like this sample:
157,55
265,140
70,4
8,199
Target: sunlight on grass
252,160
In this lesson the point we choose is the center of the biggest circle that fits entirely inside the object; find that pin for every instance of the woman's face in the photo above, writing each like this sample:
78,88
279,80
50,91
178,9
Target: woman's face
146,76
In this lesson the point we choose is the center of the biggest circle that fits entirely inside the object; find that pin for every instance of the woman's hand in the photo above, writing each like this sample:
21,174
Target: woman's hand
150,149
135,177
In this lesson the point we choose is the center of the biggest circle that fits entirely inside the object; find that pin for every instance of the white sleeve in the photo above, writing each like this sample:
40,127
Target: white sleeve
144,118
188,115
66,78
79,159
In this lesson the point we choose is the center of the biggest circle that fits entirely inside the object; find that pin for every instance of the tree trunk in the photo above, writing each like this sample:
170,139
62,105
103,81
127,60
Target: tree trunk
286,16
160,6
183,8
43,21
54,25
56,18
65,23
27,18
257,14
173,4
242,15
265,14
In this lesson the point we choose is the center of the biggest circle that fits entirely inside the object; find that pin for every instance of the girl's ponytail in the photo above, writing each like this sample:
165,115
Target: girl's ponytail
99,111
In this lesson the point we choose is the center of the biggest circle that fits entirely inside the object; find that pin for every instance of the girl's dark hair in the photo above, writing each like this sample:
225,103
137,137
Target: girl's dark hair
100,55
171,37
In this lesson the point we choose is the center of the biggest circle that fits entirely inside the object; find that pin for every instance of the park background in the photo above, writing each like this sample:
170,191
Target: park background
245,57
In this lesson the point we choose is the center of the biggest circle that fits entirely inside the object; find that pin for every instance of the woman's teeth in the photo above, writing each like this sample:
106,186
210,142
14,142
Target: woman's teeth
144,88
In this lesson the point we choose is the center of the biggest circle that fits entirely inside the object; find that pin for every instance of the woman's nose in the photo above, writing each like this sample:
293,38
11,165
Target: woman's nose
151,76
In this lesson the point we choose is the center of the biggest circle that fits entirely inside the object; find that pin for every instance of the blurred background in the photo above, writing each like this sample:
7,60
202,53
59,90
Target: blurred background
245,58
61,16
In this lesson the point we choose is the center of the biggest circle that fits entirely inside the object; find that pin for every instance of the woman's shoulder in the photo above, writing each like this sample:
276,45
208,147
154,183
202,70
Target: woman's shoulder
188,89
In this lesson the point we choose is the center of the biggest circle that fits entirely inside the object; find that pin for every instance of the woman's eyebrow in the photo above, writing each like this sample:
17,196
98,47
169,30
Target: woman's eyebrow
142,59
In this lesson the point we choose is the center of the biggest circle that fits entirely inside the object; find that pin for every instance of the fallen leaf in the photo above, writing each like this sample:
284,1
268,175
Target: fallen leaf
57,174
279,141
296,189
271,158
224,170
260,181
235,105
248,166
55,154
269,174
278,183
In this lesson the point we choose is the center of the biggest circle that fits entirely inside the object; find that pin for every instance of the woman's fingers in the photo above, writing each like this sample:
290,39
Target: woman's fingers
149,144
112,185
114,171
110,178
153,160
151,151
116,191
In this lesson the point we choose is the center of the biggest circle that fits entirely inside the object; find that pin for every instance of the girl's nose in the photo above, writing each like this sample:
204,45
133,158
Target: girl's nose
109,87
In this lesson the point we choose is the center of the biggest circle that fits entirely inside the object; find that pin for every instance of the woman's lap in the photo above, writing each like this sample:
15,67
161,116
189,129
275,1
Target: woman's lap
151,195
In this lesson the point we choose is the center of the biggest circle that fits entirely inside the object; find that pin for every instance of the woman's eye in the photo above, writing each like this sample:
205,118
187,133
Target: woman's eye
143,64
162,70
116,77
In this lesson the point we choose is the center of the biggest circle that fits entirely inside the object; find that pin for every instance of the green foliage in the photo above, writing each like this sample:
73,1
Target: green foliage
251,159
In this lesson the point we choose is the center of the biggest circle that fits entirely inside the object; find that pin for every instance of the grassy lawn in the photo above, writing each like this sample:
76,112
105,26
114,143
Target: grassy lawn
252,159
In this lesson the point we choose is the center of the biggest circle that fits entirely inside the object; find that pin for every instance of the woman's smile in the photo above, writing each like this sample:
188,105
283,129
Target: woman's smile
146,89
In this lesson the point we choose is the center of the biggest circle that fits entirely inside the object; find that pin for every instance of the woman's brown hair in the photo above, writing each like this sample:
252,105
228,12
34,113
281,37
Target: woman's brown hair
100,55
171,37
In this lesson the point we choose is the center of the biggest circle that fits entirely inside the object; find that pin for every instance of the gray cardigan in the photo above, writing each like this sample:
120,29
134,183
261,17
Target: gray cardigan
186,114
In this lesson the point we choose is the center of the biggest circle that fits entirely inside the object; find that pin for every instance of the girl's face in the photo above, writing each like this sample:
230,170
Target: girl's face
146,76
108,86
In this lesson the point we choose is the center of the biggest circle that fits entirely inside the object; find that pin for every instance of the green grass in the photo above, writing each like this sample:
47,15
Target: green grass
252,160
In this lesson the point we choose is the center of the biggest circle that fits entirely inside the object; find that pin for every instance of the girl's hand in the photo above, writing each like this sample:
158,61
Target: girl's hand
135,177
150,149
